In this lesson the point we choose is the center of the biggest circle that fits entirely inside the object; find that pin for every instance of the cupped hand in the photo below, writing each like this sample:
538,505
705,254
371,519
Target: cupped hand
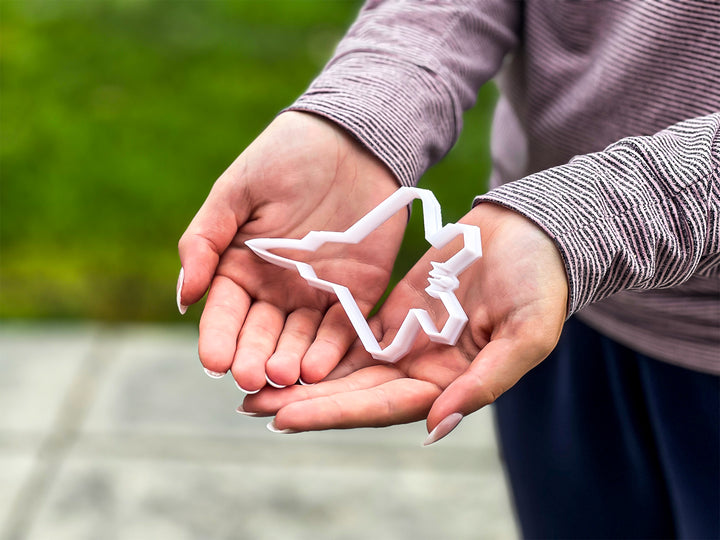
262,322
515,297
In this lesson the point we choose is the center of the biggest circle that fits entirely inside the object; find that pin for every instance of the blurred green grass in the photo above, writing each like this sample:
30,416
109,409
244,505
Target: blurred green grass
117,115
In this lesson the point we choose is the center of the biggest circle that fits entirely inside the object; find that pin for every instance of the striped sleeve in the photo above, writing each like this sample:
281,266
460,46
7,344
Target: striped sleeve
405,71
642,214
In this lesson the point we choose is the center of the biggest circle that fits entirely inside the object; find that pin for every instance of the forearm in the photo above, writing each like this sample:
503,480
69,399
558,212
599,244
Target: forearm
405,71
642,214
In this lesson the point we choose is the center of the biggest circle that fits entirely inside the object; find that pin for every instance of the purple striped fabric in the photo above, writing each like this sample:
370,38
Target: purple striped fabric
607,134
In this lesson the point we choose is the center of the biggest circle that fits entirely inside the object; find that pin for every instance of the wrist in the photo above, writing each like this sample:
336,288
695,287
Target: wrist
511,238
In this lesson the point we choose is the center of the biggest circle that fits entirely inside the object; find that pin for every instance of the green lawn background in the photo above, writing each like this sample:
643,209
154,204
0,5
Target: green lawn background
117,116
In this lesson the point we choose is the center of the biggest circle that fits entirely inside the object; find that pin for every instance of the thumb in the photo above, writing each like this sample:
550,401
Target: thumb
205,240
498,366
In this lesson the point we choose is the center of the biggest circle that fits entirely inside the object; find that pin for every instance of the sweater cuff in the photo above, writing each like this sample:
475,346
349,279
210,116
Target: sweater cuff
642,214
402,113
618,224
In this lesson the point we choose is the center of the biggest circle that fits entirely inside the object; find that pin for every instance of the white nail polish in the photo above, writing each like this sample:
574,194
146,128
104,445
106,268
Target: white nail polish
300,380
445,426
182,308
274,384
246,391
242,411
271,426
214,374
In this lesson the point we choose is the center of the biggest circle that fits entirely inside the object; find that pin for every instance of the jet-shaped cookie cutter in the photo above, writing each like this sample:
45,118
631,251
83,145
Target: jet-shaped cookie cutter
442,279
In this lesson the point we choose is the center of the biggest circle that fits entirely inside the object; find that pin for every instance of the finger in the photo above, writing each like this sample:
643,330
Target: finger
258,338
283,367
270,400
334,337
223,316
357,357
207,237
398,401
498,366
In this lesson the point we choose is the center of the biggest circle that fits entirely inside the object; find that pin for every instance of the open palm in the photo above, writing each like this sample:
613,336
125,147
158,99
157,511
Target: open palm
515,298
263,322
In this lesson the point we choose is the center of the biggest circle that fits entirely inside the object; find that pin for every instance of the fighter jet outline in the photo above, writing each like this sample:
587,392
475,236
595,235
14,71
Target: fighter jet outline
442,278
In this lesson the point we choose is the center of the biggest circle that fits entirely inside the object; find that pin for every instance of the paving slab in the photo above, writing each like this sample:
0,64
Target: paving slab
14,470
149,499
37,365
139,443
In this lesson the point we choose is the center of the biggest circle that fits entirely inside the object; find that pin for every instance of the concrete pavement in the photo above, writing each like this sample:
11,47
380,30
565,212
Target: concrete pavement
115,432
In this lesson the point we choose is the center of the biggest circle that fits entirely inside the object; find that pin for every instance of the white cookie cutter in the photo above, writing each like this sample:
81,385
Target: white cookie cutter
443,277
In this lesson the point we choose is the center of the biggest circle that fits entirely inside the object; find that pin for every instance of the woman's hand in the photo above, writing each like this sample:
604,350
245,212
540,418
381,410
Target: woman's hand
262,322
515,297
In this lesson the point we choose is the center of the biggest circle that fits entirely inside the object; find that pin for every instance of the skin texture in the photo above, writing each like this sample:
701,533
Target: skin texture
302,173
515,297
264,322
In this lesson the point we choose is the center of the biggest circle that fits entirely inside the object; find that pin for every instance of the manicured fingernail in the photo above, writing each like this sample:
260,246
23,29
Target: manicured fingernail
447,424
300,380
240,410
246,391
274,384
272,427
214,374
182,308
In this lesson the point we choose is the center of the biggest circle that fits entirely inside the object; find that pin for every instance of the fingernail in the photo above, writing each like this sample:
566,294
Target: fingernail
246,391
272,427
182,308
447,424
300,380
274,384
214,374
240,410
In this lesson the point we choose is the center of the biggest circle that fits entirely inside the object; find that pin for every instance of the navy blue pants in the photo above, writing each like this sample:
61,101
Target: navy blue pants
602,442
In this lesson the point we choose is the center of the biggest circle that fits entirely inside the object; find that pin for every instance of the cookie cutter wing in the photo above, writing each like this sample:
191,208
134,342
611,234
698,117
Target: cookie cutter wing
442,279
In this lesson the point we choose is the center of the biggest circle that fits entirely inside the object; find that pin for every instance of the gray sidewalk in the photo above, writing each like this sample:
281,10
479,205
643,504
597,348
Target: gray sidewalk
116,432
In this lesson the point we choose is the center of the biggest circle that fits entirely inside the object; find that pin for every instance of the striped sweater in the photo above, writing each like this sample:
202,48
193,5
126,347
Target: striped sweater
607,135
